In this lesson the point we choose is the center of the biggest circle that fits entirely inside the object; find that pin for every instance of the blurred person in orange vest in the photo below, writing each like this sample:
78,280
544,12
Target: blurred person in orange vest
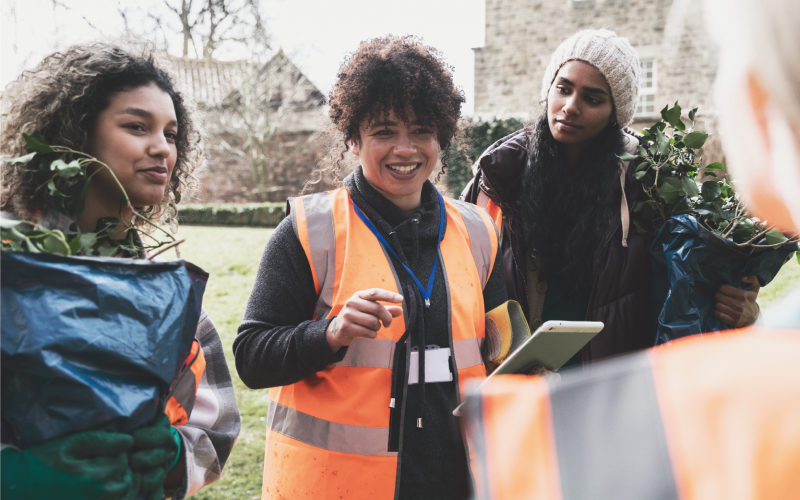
709,417
367,315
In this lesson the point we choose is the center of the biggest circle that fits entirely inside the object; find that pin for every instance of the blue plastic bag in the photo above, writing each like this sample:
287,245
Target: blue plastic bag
690,263
91,343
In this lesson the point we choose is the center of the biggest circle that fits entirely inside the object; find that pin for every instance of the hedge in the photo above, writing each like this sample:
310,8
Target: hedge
232,214
482,131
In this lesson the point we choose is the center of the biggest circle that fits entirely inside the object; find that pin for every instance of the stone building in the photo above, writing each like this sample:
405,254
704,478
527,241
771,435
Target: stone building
260,120
677,57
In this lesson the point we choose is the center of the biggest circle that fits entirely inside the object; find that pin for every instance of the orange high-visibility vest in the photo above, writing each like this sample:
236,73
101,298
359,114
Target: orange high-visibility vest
183,393
712,417
327,435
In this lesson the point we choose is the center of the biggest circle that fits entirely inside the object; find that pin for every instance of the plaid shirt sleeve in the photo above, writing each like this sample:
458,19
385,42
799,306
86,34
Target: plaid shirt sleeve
208,438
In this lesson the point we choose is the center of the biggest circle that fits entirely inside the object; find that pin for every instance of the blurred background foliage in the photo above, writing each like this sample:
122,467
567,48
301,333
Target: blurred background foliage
480,133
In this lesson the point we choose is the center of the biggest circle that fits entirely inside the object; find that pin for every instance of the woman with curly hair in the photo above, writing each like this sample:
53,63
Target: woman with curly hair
120,106
367,314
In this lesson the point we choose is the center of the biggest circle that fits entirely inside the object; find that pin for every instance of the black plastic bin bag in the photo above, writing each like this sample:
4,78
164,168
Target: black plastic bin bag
690,263
91,343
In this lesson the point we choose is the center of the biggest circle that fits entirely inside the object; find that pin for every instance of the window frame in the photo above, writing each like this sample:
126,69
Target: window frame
641,106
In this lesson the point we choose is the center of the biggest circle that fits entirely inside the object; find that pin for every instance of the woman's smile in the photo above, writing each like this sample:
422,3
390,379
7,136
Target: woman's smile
404,170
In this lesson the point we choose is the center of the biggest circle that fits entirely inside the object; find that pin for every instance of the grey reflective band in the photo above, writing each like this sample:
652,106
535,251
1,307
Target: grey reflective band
609,435
327,435
467,352
479,238
379,353
322,245
369,353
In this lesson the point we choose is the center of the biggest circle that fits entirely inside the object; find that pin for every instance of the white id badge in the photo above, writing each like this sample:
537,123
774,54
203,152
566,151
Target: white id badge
437,366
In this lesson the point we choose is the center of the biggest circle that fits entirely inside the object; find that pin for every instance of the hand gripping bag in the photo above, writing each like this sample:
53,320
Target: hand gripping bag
690,263
91,343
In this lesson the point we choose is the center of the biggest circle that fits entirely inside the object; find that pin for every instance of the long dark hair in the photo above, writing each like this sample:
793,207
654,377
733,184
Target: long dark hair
566,217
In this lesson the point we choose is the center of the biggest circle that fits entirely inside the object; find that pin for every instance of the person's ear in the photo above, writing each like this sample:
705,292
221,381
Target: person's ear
355,146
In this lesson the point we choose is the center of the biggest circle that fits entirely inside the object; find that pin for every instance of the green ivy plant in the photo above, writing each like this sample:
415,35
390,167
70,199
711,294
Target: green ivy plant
669,169
65,173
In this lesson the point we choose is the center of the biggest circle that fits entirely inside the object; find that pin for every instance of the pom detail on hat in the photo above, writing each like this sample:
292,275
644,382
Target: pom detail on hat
613,56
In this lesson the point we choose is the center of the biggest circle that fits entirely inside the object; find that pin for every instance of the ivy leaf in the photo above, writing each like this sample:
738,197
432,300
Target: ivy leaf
75,245
107,251
641,230
695,140
664,113
53,244
689,187
641,150
639,174
9,224
77,203
711,190
669,191
627,157
51,185
88,240
663,142
673,117
64,169
692,114
774,237
715,166
37,143
21,160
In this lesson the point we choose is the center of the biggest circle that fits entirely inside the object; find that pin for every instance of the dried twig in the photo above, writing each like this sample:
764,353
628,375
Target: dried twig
167,247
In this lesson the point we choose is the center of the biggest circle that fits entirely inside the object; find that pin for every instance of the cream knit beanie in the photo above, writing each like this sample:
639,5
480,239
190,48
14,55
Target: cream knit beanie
613,56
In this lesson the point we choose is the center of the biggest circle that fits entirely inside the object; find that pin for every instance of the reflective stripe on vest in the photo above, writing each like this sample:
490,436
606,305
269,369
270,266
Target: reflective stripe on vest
492,209
712,417
184,391
327,435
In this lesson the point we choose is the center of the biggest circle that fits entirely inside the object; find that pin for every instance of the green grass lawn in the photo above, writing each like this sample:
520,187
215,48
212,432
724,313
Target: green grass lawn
231,256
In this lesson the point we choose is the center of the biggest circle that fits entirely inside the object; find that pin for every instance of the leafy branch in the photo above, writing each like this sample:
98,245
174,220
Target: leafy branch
65,173
669,166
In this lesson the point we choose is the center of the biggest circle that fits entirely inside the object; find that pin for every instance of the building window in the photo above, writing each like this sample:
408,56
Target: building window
647,90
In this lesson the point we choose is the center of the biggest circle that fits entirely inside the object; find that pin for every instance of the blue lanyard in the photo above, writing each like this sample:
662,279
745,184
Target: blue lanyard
426,292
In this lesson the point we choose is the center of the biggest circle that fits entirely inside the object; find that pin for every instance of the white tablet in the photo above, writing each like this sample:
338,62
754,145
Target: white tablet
551,345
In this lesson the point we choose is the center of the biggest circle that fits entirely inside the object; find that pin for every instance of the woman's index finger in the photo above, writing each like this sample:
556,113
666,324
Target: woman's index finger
376,294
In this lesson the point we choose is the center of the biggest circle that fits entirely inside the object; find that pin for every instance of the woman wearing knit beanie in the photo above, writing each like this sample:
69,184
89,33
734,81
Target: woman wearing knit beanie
563,199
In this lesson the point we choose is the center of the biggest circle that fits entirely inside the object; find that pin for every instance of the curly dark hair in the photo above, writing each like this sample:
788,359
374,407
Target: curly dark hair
565,218
391,73
61,99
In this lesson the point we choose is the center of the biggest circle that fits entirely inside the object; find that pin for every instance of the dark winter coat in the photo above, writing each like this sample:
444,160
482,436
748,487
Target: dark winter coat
619,295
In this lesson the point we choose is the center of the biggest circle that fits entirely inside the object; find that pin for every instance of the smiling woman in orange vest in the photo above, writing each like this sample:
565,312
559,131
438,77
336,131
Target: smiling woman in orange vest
367,315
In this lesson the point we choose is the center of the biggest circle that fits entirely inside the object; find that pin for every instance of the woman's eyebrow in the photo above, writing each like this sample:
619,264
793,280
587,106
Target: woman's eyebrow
144,114
136,112
592,90
383,124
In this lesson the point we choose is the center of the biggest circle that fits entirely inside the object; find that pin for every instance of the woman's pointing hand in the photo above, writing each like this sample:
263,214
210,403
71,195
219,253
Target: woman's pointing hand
362,316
